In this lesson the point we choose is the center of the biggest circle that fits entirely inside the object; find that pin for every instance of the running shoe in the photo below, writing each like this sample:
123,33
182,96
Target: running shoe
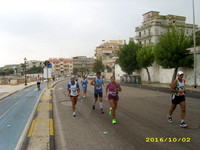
74,114
114,121
84,96
183,125
93,107
169,119
110,112
101,111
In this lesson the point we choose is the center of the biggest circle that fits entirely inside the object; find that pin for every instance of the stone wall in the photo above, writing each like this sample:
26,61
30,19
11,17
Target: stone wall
161,75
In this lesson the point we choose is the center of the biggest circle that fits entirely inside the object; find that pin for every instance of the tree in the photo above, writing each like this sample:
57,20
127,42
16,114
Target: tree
145,58
172,50
127,56
75,70
23,68
98,65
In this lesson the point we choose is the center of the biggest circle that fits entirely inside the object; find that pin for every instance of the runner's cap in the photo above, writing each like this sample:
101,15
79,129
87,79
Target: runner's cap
72,76
180,73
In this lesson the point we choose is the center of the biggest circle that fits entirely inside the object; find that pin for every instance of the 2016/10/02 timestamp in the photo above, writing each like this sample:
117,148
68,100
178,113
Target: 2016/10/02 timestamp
167,139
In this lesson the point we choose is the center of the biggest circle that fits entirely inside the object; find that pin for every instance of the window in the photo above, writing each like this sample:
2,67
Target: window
144,32
139,34
149,32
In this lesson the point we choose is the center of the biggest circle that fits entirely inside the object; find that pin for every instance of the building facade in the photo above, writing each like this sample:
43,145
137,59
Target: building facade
15,67
61,66
107,52
82,62
154,25
31,63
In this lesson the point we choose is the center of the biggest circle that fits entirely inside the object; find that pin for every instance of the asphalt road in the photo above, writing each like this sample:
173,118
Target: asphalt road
141,114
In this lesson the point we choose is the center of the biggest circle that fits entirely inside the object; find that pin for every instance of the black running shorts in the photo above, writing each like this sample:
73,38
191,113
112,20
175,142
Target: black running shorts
177,99
100,94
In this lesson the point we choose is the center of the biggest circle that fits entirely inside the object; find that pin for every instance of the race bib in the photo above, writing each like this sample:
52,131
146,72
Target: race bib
84,85
73,91
98,87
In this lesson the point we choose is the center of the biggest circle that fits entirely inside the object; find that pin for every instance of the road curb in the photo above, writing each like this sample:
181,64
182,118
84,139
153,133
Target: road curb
22,141
51,122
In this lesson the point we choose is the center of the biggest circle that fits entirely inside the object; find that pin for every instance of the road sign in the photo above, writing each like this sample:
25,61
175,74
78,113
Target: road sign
47,72
46,63
50,65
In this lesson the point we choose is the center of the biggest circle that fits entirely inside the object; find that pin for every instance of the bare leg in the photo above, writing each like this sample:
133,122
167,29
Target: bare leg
183,109
112,104
173,107
73,103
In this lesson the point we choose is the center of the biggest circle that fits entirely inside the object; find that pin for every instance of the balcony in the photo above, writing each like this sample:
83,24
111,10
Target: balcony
143,36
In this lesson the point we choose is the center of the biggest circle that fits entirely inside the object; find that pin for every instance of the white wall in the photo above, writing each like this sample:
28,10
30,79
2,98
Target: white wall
158,74
118,72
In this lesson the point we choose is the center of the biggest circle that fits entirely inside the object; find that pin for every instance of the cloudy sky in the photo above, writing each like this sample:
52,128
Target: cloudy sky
42,29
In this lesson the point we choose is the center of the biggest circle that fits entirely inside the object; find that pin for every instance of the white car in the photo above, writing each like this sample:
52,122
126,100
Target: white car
90,76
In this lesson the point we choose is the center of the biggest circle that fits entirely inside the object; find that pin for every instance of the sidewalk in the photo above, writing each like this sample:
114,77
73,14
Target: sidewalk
6,90
190,91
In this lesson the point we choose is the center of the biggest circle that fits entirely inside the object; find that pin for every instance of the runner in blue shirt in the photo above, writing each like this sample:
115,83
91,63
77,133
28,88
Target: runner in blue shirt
84,83
97,82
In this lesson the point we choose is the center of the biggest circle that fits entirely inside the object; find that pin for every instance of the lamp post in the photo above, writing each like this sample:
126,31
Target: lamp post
195,82
25,70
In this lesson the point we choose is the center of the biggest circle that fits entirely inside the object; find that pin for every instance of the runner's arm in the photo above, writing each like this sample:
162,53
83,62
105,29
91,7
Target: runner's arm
106,92
92,82
119,89
68,92
78,91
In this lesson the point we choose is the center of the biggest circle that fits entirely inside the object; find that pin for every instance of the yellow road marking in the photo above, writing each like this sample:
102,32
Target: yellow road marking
51,132
38,107
50,97
50,106
31,129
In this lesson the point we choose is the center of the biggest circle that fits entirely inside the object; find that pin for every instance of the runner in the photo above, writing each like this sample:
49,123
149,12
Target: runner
84,83
73,92
97,82
38,82
178,97
113,97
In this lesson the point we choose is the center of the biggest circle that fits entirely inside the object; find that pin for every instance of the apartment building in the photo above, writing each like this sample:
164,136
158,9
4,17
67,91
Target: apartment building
155,24
61,66
107,51
83,62
31,63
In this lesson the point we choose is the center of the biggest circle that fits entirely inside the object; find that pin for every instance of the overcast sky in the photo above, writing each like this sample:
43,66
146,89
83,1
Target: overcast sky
42,29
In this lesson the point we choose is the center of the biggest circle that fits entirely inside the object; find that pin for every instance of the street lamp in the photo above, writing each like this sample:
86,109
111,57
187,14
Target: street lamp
25,70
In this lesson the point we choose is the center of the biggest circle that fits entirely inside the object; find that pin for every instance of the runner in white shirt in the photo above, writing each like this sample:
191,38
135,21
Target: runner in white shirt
38,82
73,92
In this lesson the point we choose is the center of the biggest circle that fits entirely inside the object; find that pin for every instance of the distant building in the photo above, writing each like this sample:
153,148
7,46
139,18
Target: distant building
31,63
154,25
15,67
107,51
61,66
83,62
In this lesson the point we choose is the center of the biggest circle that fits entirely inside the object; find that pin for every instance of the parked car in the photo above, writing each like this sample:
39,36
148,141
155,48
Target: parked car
90,76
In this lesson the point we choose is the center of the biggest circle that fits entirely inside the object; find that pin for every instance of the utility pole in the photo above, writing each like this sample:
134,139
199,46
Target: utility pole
194,36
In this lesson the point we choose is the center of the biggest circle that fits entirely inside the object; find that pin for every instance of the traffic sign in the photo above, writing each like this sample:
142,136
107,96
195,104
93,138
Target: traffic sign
50,65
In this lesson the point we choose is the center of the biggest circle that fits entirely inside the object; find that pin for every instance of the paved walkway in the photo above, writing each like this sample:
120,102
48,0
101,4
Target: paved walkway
6,90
